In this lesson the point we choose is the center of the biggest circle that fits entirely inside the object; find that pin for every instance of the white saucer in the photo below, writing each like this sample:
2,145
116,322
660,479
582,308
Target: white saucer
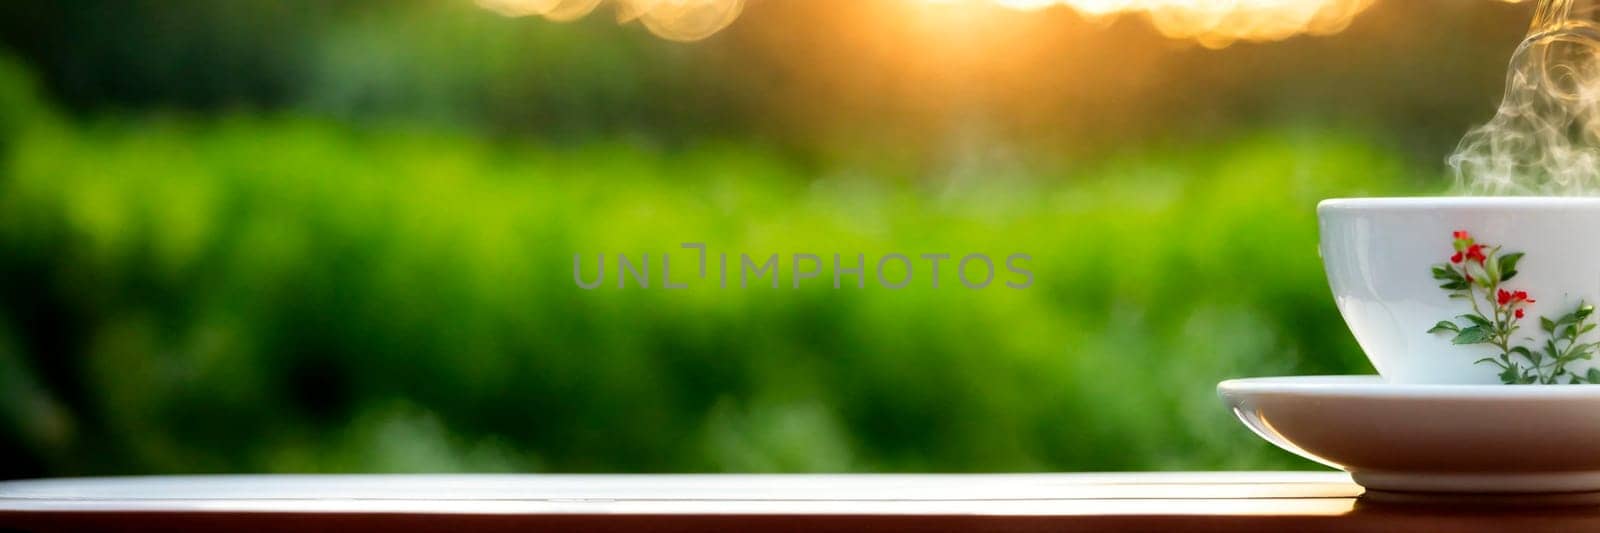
1431,438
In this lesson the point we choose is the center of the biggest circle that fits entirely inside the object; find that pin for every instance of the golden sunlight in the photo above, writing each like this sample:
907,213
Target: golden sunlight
678,20
1213,23
1218,23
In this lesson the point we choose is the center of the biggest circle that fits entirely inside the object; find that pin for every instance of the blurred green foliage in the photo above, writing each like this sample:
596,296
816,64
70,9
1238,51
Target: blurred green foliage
337,235
284,293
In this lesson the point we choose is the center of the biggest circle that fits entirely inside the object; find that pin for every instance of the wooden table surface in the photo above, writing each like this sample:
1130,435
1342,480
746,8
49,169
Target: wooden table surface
1210,501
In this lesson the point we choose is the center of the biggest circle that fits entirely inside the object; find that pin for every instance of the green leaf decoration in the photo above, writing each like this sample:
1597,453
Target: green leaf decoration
1549,326
1508,264
1472,335
1443,326
1530,355
1477,320
1511,375
1594,375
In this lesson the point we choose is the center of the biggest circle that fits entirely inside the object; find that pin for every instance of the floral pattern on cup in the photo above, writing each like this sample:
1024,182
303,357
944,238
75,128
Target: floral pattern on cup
1477,272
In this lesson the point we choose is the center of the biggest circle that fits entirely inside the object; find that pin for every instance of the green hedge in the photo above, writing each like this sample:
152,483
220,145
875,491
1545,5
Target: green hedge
283,294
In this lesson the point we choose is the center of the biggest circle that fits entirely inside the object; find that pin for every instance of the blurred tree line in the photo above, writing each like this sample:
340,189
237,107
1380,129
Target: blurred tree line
864,83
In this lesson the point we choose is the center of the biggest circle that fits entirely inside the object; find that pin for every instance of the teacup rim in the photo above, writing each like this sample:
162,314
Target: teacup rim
1448,202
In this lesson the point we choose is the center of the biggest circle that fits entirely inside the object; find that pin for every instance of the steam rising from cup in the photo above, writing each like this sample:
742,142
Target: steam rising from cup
1545,138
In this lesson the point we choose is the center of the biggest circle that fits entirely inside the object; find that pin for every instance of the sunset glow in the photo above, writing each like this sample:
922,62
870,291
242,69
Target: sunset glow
1213,23
678,20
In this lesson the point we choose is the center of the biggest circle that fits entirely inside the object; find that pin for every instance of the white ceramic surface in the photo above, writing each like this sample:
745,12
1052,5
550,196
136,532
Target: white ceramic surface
1430,438
1378,253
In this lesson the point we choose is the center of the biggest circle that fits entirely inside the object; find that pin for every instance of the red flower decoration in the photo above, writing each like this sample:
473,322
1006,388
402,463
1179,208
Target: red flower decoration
1496,325
1475,253
1509,297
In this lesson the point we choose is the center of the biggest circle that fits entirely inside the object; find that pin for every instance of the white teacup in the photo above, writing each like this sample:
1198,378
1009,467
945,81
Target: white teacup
1380,255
